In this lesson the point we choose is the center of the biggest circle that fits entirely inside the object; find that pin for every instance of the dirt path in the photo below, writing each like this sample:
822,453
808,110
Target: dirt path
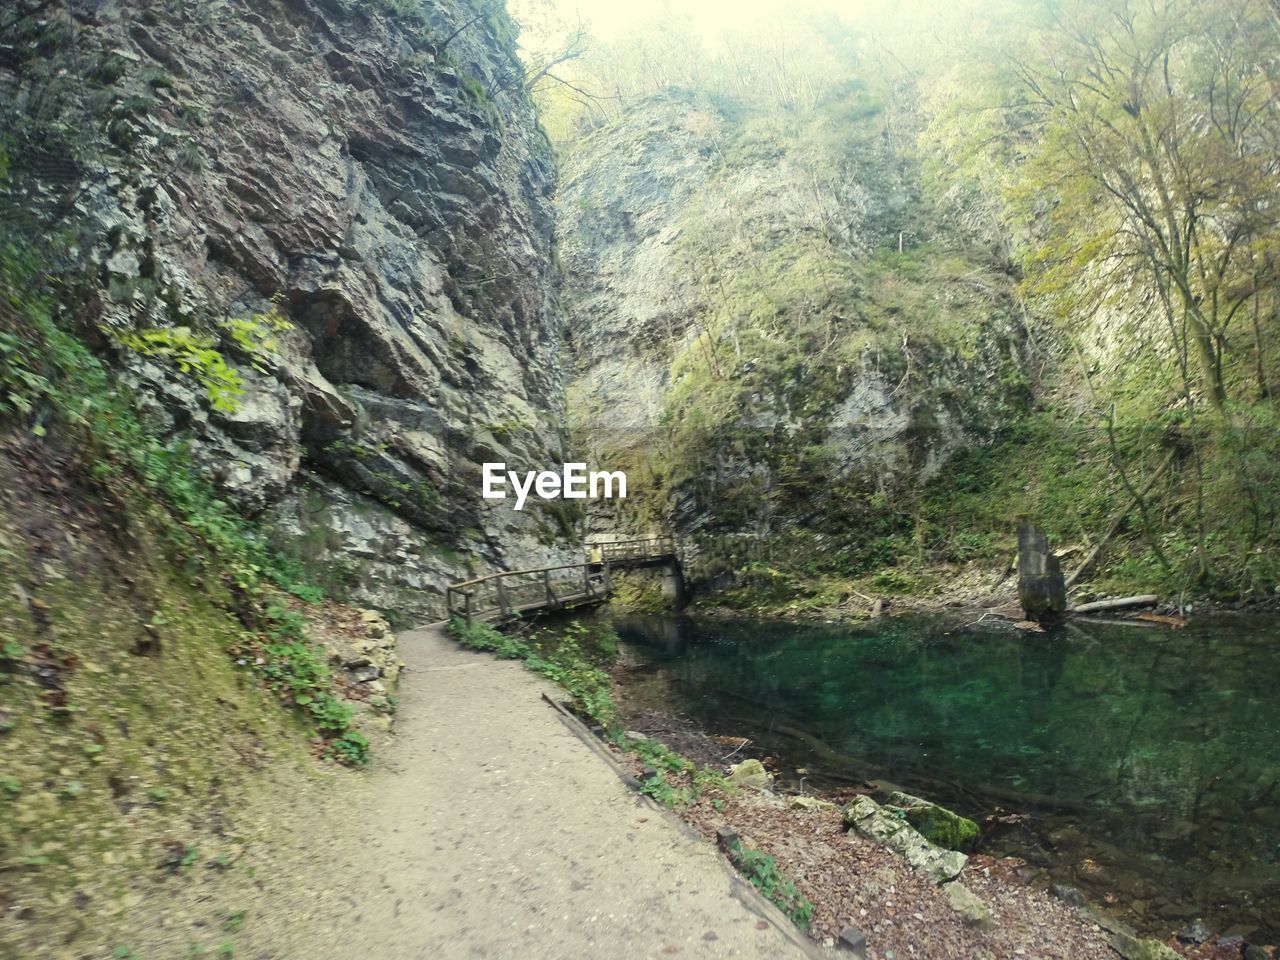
488,829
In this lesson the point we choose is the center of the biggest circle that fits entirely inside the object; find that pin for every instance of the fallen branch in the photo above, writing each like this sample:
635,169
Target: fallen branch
1143,600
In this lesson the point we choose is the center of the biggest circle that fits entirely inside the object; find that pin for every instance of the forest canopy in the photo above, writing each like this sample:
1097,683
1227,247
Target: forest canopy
1105,172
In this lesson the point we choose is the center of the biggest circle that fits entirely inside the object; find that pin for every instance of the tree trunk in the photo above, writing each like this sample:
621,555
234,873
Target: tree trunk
1207,358
1041,589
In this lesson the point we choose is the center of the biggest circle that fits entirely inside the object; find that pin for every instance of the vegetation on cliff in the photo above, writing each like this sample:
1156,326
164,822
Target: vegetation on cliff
936,270
157,650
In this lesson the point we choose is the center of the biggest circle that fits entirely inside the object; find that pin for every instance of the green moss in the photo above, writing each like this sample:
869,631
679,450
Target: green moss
110,69
942,827
149,714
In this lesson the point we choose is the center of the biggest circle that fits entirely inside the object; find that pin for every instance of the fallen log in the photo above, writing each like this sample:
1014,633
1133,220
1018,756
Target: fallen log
1121,603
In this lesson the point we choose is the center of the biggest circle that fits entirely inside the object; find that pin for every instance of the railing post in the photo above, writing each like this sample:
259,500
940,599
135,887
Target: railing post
608,581
504,604
467,595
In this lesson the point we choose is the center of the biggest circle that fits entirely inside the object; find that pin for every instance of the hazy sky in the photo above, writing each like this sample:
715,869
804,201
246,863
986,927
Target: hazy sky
712,18
610,17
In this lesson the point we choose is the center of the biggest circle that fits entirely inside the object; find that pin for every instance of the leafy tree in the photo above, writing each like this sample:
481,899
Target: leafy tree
1156,157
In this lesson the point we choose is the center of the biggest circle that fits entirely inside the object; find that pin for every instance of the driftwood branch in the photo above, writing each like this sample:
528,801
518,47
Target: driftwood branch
1143,600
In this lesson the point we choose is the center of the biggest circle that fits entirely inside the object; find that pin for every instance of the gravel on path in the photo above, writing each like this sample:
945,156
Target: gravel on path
483,828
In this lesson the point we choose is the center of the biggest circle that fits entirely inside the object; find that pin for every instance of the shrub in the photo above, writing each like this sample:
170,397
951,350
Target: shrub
762,870
564,663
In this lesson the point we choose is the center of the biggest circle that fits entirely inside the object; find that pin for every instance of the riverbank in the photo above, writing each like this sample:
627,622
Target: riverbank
980,586
1136,848
852,881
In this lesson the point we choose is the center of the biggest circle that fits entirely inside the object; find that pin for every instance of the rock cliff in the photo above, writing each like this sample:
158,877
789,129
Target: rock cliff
370,173
770,326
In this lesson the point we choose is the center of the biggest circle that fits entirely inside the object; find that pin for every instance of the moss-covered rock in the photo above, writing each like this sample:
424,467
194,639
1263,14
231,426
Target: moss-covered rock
937,824
884,826
1135,948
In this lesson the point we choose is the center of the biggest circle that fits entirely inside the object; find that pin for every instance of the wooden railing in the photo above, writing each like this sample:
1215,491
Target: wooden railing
645,548
499,597
504,596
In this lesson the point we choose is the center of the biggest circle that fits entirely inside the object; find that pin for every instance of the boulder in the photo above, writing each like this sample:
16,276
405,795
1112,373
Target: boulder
752,774
936,824
876,823
1134,948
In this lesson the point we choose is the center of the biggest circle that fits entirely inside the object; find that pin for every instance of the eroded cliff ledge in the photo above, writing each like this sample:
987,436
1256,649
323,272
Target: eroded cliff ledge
374,170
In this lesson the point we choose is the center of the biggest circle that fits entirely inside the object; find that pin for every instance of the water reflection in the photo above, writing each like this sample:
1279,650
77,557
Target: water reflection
1153,754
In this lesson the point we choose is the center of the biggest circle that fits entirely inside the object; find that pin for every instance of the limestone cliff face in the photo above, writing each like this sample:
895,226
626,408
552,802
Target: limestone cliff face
767,323
376,172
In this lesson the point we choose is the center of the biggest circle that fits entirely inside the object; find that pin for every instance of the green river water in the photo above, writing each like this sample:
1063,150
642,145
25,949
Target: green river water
1142,764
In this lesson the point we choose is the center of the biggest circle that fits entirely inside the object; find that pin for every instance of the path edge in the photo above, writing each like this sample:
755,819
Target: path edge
739,888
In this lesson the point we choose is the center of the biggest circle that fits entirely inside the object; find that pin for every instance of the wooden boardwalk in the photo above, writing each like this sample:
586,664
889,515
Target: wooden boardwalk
510,595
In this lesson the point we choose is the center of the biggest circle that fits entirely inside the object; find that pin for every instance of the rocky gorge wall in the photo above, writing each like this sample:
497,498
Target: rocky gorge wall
771,327
375,175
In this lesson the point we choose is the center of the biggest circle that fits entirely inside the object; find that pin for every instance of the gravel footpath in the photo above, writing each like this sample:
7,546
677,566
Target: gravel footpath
484,828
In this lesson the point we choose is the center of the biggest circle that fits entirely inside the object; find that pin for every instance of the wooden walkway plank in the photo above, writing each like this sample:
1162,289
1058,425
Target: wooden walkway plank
501,597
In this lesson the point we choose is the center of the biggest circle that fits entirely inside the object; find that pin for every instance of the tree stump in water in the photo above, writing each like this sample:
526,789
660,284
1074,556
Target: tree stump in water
1042,591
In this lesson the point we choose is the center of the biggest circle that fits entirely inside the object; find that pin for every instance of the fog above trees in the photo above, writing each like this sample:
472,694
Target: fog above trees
1115,162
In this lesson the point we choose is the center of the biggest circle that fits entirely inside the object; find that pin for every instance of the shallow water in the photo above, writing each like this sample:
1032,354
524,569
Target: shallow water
1141,763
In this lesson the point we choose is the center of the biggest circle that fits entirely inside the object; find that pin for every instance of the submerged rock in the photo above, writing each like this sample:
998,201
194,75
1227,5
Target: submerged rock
875,822
936,824
1133,948
1068,895
1195,932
